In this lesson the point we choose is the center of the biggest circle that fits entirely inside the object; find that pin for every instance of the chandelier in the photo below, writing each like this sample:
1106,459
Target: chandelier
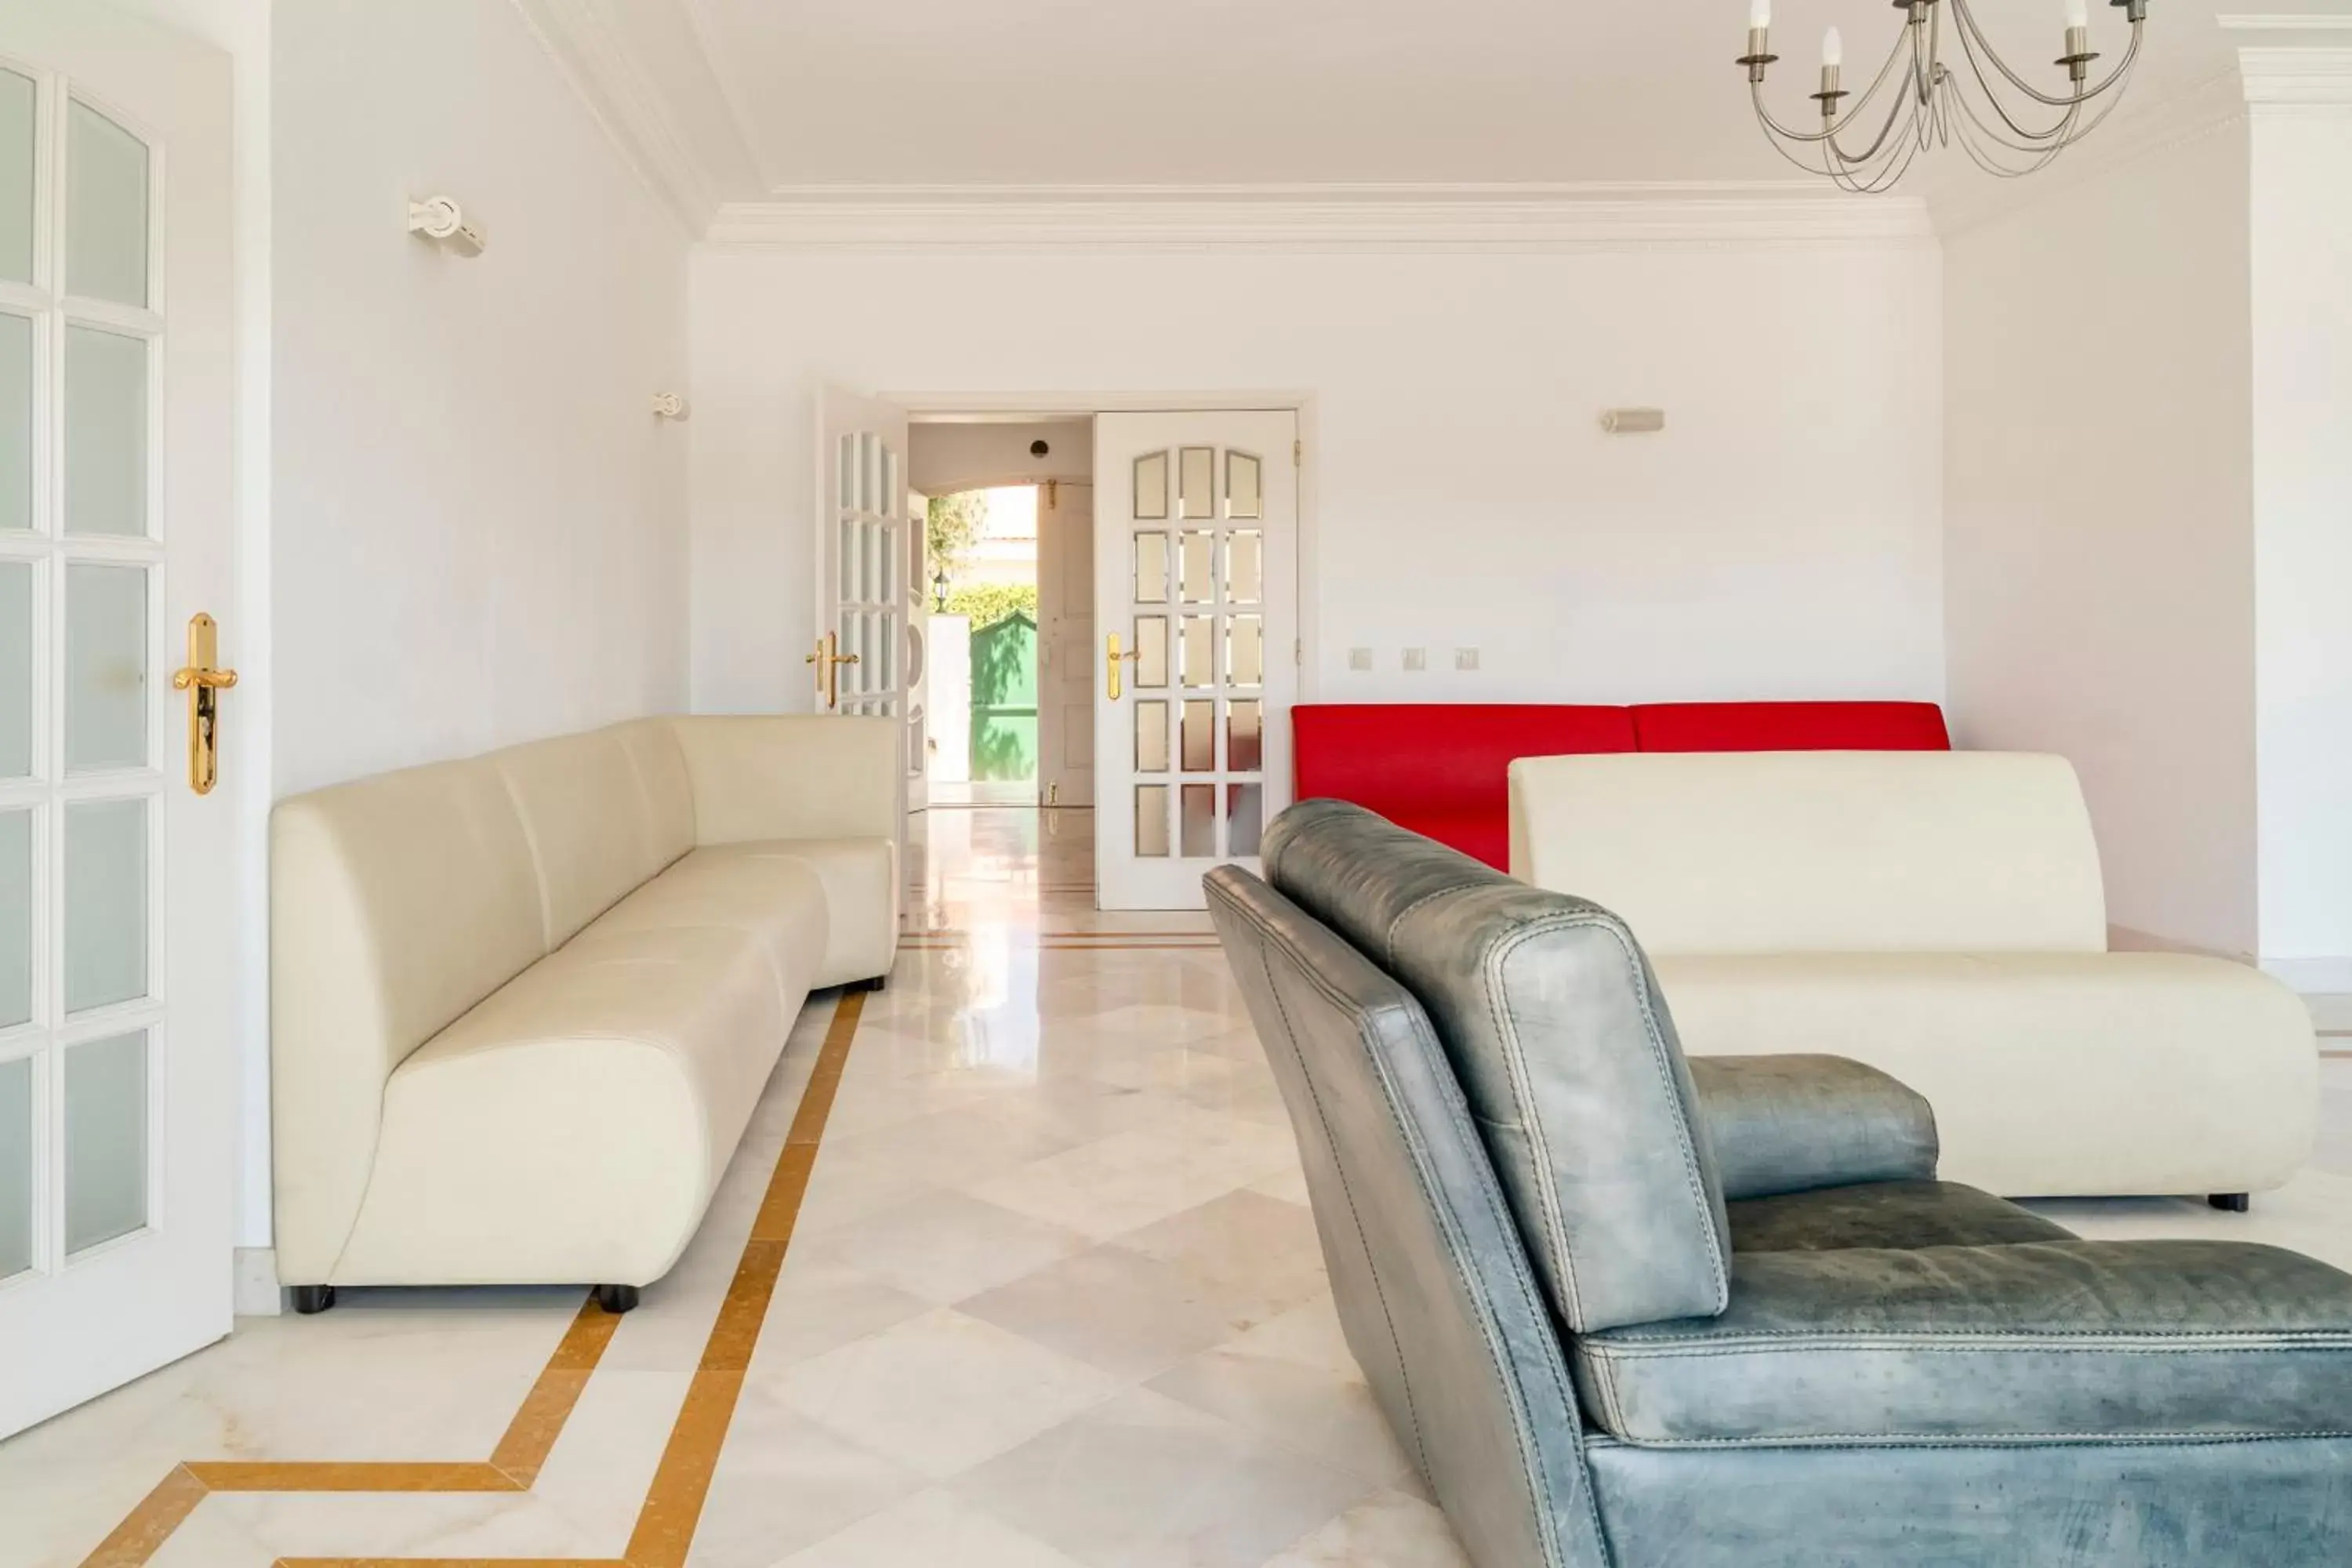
1920,100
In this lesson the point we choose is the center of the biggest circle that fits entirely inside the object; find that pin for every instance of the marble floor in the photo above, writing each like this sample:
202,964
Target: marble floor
1013,1270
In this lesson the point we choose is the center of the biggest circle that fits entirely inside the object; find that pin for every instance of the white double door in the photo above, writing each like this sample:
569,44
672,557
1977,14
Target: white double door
1196,597
120,921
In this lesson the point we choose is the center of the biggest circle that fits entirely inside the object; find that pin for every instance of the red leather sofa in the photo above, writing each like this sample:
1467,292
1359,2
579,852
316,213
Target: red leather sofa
1442,769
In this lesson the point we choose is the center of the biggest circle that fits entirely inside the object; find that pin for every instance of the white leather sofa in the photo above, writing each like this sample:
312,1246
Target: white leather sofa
1939,916
522,1005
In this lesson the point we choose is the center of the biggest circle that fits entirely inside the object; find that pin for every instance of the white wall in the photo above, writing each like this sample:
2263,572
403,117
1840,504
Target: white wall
457,526
480,529
2302,262
942,458
2098,516
1780,540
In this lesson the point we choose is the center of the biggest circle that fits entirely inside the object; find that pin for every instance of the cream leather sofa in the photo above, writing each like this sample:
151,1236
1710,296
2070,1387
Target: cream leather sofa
1939,916
522,1005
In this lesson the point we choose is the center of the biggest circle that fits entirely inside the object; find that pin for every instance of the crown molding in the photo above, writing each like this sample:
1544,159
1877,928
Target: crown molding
604,71
2141,132
2298,79
2294,63
1308,218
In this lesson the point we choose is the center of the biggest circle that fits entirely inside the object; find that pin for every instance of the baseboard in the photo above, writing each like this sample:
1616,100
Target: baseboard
2313,976
254,1292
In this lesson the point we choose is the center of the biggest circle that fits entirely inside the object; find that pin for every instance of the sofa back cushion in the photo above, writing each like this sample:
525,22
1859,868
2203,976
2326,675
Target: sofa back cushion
1553,1024
802,776
654,752
1821,851
595,834
397,903
1790,727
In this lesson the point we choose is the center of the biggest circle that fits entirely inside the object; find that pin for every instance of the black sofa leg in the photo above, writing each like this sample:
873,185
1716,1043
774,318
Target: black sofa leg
2231,1202
616,1298
311,1299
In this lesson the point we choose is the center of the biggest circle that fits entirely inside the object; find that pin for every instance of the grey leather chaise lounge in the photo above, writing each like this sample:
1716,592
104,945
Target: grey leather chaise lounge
1630,1311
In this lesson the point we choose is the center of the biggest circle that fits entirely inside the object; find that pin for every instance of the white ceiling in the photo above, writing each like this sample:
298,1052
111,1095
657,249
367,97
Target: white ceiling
763,96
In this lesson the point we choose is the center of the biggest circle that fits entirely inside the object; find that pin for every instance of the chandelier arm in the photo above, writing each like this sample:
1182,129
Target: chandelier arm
1895,170
1873,171
1984,134
2073,129
1968,30
2031,140
1756,90
1992,98
1971,134
1893,114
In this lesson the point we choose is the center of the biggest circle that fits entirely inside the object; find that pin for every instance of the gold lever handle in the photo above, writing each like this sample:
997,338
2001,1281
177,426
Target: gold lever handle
1111,659
828,662
203,680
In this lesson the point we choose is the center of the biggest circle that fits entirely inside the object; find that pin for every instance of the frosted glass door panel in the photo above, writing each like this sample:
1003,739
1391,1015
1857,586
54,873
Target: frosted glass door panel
106,1140
15,919
19,148
105,903
106,667
106,209
16,1166
105,433
16,669
15,422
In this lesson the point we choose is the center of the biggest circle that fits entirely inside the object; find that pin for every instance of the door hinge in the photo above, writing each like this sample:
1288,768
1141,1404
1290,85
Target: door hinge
1298,454
1298,651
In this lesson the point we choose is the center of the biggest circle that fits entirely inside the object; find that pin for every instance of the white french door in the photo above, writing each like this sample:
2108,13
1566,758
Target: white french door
118,926
864,651
1196,625
859,663
1065,645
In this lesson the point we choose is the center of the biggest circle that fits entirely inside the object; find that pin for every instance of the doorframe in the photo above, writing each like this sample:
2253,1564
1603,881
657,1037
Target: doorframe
940,408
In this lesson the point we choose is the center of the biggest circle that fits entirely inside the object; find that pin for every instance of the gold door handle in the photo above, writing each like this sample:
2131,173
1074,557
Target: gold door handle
203,680
1112,656
828,662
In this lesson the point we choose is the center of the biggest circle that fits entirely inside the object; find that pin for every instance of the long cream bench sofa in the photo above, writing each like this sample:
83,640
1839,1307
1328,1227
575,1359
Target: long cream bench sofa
522,1005
1939,916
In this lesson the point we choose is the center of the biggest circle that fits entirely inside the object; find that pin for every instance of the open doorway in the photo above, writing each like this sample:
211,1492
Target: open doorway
1009,610
982,679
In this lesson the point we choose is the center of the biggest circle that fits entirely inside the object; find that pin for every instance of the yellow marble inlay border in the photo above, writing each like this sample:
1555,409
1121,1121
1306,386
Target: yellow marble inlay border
673,1505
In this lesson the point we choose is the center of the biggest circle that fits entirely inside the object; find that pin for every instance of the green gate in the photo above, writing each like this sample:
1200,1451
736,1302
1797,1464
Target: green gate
1004,699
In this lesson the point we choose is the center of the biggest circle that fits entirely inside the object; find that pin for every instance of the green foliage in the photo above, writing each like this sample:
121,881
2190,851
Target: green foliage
951,527
989,602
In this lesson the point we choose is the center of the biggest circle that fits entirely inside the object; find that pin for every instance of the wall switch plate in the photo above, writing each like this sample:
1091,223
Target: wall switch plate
1465,659
1416,658
1359,659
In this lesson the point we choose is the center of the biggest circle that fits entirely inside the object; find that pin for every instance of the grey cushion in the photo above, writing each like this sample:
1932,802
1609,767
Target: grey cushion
1438,1298
2033,1343
1902,1214
1787,1123
1554,1025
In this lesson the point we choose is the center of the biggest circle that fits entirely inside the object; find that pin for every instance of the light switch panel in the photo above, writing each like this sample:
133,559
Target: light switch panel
1416,658
1465,659
1359,659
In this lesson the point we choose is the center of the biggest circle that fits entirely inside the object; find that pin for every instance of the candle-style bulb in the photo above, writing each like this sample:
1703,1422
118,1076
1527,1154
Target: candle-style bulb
1760,14
2078,13
1832,48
